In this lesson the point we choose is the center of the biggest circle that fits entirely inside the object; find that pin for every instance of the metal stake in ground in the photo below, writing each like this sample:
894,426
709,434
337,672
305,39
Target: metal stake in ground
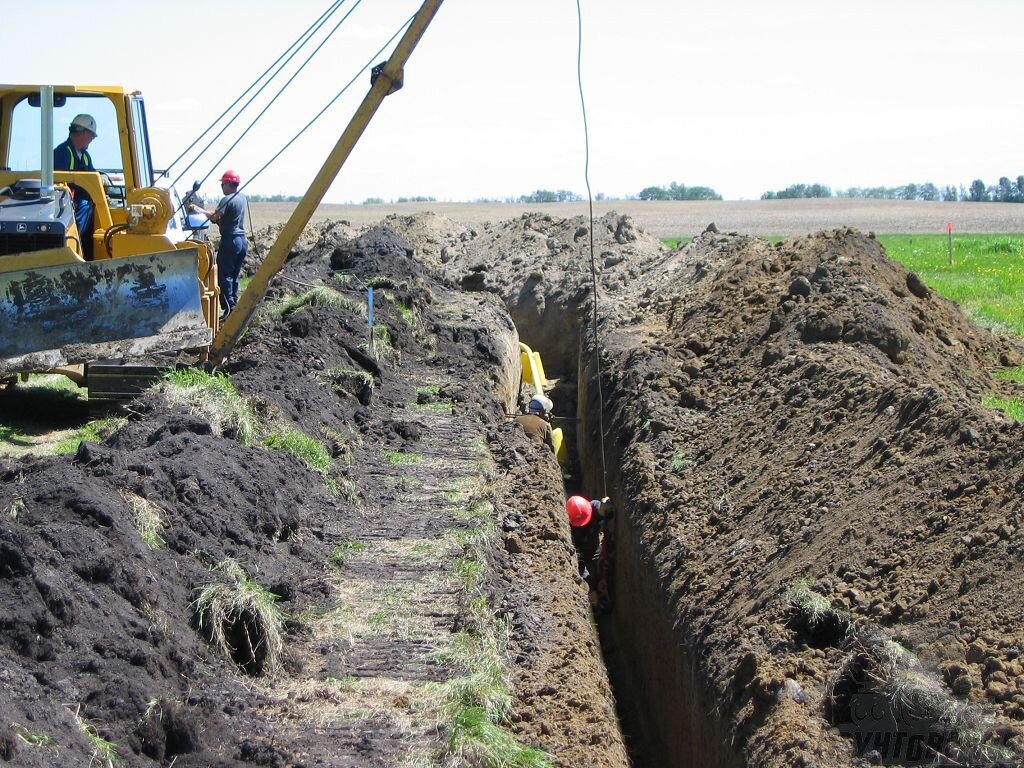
369,317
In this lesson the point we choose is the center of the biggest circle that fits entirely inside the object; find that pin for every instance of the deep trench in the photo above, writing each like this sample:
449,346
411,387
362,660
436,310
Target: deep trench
665,713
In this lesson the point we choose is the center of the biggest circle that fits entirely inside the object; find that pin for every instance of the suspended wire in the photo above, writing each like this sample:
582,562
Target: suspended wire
331,103
277,95
318,115
283,88
310,30
593,261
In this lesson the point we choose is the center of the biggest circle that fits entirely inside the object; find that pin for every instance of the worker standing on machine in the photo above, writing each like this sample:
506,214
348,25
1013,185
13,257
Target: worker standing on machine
229,216
73,155
590,523
536,421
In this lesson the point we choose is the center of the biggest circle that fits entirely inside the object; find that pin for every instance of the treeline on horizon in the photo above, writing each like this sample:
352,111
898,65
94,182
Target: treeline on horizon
1005,191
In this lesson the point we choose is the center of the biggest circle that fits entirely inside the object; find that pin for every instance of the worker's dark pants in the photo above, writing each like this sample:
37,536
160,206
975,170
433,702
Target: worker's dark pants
230,257
83,218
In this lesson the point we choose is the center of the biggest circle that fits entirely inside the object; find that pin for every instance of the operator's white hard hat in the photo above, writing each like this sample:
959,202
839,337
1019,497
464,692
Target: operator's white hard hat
83,122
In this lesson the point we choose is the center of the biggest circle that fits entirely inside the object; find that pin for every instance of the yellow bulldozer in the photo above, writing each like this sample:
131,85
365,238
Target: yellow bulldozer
138,282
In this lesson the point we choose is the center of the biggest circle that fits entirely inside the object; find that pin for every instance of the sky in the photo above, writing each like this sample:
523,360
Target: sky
739,95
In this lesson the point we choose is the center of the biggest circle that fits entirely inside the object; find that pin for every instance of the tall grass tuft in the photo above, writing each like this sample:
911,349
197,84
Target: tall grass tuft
242,619
475,739
306,449
321,296
214,397
93,432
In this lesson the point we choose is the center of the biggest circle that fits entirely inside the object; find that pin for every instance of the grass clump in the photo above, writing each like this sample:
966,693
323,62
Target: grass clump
408,314
214,397
102,752
242,619
344,551
354,381
1011,374
147,519
93,432
35,738
383,350
478,697
917,699
475,738
397,458
306,449
814,618
321,296
679,463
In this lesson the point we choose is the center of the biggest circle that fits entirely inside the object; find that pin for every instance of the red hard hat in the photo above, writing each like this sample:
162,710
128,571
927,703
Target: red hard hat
579,511
231,177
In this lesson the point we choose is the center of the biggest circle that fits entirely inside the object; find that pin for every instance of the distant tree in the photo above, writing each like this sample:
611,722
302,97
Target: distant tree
949,194
256,198
549,196
908,192
676,191
1020,187
799,191
416,199
1006,191
928,191
373,201
654,193
978,192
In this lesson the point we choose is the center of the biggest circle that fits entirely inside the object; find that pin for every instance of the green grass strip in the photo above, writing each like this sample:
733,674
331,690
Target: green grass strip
986,276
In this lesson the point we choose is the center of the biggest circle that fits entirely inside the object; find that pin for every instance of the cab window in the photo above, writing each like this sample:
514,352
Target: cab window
105,149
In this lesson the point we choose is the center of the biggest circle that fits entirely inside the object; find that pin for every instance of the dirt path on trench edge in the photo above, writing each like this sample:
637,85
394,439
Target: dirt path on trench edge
376,669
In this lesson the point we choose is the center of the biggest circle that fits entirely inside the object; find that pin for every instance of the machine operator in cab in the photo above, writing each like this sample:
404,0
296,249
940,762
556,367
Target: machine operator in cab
73,155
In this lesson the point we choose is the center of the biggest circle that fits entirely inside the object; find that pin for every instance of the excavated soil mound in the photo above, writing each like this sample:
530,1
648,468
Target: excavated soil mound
100,645
817,513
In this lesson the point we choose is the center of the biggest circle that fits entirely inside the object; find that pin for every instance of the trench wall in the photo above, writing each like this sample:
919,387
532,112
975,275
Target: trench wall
665,702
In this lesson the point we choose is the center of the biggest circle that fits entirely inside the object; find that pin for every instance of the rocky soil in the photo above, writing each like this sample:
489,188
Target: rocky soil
818,527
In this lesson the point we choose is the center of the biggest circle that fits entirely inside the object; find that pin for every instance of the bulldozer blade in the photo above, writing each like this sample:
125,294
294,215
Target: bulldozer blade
109,309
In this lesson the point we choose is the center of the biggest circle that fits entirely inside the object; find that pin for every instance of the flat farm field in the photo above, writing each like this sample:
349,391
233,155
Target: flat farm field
685,219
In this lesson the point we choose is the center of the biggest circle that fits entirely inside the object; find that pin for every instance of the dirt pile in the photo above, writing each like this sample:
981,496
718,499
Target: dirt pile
376,547
792,426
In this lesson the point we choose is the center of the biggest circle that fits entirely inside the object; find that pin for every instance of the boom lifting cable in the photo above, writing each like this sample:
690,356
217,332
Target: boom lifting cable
593,262
285,86
309,32
276,96
327,106
330,103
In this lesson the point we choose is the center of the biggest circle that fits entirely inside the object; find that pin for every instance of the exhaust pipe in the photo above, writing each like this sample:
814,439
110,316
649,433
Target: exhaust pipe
45,140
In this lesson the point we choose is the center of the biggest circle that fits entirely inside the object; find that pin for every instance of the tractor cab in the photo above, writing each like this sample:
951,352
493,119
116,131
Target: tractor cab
133,278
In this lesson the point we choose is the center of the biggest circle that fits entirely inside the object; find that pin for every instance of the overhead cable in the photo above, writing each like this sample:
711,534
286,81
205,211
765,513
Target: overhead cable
283,88
590,229
297,44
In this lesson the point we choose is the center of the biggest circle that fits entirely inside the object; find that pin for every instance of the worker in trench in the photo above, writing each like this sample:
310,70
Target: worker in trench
536,422
592,535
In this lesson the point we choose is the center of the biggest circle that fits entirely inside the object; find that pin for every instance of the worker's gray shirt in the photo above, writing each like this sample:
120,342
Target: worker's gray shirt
232,215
